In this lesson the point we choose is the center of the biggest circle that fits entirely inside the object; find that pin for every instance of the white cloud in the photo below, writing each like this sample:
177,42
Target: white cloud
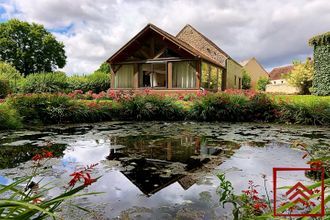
274,31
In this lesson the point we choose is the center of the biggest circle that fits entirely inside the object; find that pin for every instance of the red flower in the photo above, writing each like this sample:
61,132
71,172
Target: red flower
36,201
48,154
247,192
37,157
83,175
259,205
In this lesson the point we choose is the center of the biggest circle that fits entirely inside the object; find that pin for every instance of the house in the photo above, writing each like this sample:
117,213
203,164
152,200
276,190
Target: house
278,82
255,70
157,60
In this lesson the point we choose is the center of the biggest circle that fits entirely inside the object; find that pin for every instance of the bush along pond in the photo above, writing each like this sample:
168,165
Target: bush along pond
155,170
232,105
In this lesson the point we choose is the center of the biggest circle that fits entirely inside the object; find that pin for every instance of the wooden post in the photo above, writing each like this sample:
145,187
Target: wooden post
136,76
112,86
169,75
198,74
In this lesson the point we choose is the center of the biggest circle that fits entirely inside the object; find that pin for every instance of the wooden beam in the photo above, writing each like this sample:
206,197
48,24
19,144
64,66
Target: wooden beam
169,75
112,85
144,53
198,74
160,53
136,76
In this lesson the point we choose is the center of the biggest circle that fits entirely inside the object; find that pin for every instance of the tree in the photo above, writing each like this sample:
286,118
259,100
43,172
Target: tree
246,80
30,48
302,75
105,68
262,82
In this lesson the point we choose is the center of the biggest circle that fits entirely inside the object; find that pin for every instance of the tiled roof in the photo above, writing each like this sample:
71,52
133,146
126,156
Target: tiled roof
278,72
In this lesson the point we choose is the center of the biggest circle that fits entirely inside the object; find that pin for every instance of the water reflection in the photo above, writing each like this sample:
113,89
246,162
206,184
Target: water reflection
154,162
158,170
11,156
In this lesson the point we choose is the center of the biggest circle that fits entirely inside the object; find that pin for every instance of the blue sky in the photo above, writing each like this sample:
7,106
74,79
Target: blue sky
274,31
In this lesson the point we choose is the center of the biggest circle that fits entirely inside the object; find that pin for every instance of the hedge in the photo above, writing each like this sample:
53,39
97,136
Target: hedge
321,82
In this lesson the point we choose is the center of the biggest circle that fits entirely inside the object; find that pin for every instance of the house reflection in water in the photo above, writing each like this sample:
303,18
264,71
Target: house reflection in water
153,163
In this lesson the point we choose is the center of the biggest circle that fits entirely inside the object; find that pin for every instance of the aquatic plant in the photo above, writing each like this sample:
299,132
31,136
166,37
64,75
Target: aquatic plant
250,205
27,199
247,205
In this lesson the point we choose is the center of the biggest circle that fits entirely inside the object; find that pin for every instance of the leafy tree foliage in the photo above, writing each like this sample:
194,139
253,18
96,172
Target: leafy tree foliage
302,76
261,84
30,47
246,80
104,68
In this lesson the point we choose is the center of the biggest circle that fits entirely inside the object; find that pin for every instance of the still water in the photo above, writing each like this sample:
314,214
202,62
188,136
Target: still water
158,170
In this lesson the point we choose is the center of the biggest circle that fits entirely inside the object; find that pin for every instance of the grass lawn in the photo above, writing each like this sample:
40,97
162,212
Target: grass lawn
302,99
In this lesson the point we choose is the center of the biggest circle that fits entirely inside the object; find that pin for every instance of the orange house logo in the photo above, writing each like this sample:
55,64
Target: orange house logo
299,200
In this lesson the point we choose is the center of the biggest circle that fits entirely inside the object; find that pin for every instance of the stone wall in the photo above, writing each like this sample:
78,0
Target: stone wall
282,88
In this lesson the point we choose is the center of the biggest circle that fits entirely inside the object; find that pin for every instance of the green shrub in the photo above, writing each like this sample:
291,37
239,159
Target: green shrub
261,108
99,81
8,72
4,88
44,82
49,108
9,118
41,108
261,84
246,80
96,82
76,82
220,107
302,113
151,107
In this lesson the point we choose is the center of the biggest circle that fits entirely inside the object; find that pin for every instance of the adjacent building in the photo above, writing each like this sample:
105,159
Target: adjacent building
157,60
255,70
278,82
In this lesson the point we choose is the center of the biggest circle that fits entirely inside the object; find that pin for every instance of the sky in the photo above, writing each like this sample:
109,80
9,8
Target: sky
274,31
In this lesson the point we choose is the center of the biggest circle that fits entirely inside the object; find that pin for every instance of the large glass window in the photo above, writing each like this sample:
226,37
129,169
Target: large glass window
153,75
184,74
124,77
211,76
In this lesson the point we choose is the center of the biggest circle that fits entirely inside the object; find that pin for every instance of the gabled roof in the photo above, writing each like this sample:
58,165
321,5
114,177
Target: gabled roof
245,62
279,72
181,44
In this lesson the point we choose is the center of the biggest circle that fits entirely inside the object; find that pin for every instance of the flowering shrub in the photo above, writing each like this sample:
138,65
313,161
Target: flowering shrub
232,105
247,93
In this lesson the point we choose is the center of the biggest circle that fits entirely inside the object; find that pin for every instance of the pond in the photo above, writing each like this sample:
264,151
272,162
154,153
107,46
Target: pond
158,170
